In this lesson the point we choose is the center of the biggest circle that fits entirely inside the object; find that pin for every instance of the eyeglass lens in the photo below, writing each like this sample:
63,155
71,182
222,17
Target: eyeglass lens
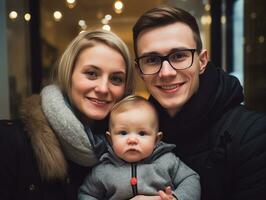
178,60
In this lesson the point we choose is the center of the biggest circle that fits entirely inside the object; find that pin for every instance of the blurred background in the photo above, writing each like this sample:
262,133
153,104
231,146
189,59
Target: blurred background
34,33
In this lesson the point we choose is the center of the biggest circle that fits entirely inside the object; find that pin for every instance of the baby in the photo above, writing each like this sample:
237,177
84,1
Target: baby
137,162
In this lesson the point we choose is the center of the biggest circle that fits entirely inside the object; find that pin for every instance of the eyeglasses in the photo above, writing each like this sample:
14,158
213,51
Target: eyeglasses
152,64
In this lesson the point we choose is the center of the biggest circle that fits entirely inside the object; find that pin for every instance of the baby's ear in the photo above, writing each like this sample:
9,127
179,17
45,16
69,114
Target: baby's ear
159,136
108,135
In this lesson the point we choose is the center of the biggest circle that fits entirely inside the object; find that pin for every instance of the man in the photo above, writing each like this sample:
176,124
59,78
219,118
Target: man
199,107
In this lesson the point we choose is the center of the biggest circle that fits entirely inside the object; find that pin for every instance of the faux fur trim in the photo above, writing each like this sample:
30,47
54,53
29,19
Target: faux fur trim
49,155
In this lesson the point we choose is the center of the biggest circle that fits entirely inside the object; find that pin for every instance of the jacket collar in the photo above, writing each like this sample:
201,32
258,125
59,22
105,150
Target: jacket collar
48,153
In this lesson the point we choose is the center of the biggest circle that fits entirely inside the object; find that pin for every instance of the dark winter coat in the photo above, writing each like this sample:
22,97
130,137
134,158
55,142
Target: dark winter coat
33,166
192,131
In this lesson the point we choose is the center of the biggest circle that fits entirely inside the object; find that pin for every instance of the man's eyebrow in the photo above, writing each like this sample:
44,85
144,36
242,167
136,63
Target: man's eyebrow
152,53
155,53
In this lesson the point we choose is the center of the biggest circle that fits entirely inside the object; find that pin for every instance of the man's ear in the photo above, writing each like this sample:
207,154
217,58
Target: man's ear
108,135
138,70
159,136
203,60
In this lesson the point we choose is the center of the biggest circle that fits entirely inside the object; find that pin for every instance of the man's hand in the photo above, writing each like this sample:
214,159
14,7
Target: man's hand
167,194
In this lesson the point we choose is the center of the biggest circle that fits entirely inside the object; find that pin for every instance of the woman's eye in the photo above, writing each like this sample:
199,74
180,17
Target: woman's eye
122,132
91,74
117,80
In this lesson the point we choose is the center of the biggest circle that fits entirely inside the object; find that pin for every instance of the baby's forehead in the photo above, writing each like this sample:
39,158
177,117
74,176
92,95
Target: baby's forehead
134,105
133,112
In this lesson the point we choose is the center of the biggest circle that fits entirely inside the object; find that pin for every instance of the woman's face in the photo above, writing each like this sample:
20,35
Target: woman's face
98,81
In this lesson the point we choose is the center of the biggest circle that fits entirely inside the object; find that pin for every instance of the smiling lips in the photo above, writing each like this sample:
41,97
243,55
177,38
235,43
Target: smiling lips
98,101
171,88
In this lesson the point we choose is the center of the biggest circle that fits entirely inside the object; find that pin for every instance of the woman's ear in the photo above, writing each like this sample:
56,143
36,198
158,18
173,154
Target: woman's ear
203,60
108,135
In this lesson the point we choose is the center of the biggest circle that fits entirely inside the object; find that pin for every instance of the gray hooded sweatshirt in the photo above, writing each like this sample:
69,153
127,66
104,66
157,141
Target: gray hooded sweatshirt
112,177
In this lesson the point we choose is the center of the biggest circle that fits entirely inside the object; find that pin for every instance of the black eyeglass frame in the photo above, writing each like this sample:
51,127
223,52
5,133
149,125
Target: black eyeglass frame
163,58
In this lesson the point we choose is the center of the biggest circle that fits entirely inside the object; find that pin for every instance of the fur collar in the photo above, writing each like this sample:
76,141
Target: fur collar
49,155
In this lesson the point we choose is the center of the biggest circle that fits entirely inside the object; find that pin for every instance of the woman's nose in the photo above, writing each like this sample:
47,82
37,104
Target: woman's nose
102,87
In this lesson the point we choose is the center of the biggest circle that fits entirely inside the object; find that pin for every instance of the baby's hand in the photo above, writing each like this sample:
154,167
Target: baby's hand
142,197
167,194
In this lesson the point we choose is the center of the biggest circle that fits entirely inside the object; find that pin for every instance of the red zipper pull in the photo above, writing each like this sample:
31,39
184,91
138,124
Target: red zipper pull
133,181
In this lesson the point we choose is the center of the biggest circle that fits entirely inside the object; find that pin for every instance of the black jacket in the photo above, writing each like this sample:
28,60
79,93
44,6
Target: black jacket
192,131
33,167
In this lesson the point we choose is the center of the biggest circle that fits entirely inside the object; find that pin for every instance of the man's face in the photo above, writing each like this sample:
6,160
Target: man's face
171,88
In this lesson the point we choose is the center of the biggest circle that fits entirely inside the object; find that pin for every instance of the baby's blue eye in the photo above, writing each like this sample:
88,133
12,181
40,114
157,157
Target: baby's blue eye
142,133
122,132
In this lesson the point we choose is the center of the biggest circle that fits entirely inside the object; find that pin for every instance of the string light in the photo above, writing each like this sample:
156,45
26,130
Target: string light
13,15
71,3
106,27
207,7
261,39
27,16
57,16
223,19
82,24
108,17
206,20
118,7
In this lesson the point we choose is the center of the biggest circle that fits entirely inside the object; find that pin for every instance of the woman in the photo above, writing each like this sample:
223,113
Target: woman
47,153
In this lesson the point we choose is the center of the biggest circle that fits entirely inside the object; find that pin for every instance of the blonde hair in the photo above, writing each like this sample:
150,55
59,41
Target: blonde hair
132,101
63,73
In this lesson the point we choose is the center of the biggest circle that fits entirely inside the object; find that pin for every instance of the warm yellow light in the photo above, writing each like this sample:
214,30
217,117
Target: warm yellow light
82,22
70,1
104,21
207,7
261,39
253,15
118,11
106,27
108,17
206,20
223,19
119,5
13,15
58,15
27,17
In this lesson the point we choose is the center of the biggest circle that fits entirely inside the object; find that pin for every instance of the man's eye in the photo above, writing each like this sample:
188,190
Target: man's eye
122,132
151,60
179,56
91,74
117,80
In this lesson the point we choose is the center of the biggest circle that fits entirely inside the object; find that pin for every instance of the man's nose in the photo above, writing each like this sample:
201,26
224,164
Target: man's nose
167,69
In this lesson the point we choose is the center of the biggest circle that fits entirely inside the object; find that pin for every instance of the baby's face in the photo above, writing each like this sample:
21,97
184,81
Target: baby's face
134,133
